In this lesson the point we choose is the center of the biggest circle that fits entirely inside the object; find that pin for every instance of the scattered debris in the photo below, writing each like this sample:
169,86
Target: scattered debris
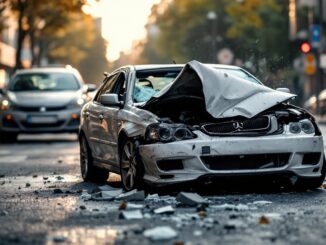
160,233
82,207
134,214
85,195
58,239
2,175
202,214
135,206
232,207
35,176
263,220
104,188
28,185
59,177
45,178
123,205
60,161
190,199
234,224
198,233
164,210
3,213
261,202
57,191
2,182
133,195
106,195
201,207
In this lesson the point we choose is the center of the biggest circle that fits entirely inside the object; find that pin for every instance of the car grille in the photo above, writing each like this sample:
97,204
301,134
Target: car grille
242,162
260,124
38,108
43,125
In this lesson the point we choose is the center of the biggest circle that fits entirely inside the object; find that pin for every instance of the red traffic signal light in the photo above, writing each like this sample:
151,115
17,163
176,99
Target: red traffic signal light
305,47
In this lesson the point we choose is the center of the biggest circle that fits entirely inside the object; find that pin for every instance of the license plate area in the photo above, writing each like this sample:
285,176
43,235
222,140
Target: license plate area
42,119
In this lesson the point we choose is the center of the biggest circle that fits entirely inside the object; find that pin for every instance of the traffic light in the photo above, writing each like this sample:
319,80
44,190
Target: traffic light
305,47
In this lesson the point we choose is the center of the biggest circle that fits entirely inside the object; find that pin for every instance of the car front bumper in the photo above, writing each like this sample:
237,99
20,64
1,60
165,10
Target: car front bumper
15,121
188,158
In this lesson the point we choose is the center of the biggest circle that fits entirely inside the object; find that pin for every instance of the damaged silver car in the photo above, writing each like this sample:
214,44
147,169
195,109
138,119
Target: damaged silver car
167,124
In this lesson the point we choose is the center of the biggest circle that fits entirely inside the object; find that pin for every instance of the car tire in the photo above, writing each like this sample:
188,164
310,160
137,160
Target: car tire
8,137
131,166
89,172
311,183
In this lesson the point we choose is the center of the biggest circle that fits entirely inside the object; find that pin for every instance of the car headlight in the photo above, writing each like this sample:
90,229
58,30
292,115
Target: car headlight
305,126
77,103
164,132
5,105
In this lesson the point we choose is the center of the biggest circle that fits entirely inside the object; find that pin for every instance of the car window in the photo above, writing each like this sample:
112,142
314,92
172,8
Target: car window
150,82
120,86
106,87
44,82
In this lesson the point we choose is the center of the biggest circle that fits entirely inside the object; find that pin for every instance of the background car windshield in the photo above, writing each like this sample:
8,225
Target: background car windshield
44,82
148,83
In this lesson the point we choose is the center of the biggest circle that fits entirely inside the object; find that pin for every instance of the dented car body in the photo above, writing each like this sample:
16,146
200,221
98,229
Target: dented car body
166,124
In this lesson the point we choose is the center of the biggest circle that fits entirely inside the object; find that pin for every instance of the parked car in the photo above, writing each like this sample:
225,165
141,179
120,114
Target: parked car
40,100
166,124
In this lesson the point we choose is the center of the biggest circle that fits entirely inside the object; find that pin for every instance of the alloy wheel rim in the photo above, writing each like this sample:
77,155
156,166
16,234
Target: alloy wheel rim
128,165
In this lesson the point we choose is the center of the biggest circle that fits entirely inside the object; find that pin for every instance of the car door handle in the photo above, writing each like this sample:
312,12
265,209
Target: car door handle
100,117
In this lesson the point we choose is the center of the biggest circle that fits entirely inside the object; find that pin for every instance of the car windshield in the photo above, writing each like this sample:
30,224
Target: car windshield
150,82
44,82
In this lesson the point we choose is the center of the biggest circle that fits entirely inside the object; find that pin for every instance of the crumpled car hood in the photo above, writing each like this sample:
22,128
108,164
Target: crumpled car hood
225,95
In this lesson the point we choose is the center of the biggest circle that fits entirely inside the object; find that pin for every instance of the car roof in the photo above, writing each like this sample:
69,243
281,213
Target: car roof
46,70
162,66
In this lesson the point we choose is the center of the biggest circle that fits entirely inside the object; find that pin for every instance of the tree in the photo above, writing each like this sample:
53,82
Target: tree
37,17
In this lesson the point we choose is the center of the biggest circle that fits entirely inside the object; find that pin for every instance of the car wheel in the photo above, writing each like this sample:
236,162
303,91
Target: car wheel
8,137
311,183
88,171
131,167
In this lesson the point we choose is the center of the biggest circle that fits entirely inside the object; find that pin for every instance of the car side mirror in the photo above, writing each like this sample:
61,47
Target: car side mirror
285,90
111,100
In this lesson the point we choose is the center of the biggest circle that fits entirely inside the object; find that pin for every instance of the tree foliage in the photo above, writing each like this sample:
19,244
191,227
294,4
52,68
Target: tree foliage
255,31
60,32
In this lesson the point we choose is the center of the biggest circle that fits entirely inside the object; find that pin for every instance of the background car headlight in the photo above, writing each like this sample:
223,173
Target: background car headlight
168,132
76,103
5,105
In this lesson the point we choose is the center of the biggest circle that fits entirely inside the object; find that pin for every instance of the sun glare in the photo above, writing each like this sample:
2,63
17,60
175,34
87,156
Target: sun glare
123,22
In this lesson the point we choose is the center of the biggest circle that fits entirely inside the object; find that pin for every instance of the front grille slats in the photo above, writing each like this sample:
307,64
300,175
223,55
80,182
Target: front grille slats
260,124
38,108
243,162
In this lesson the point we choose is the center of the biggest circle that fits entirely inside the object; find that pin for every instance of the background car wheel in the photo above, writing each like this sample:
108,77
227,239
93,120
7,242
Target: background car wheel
88,171
131,166
311,183
8,137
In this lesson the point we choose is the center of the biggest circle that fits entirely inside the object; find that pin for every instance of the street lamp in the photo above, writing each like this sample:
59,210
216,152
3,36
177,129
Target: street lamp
212,16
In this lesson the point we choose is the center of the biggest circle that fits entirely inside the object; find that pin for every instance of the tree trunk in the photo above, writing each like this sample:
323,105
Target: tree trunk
21,33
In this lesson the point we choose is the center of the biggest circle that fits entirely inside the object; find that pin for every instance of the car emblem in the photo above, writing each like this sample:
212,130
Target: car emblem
42,109
238,125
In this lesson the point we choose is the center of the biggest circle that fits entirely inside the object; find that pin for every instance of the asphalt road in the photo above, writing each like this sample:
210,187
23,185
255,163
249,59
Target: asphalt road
41,203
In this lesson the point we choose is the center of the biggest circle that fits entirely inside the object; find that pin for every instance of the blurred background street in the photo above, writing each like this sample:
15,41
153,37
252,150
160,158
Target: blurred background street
42,199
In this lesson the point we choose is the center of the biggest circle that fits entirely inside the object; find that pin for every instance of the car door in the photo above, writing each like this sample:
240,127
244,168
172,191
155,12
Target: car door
110,122
93,119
